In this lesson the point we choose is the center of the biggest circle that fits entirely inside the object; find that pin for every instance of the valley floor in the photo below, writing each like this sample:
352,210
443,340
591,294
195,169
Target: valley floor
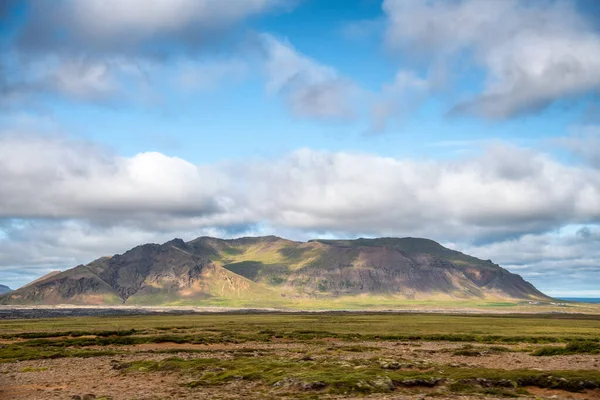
306,356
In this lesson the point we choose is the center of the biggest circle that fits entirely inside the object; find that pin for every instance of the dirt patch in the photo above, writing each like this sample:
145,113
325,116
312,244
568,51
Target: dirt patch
65,378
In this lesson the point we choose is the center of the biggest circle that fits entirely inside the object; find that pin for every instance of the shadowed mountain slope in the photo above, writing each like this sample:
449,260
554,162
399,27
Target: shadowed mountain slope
4,289
278,272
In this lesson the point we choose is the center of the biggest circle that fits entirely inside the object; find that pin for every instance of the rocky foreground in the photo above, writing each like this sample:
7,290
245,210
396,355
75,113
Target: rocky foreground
108,378
299,356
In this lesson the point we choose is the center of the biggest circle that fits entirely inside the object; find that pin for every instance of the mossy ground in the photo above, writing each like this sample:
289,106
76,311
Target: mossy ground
292,355
360,376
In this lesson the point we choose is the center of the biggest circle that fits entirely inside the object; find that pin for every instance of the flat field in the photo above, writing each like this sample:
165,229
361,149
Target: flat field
316,355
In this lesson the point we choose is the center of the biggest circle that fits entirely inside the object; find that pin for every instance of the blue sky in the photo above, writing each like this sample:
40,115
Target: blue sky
471,122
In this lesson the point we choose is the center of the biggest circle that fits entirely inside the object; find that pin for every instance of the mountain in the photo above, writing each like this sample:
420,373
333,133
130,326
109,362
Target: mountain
4,289
271,271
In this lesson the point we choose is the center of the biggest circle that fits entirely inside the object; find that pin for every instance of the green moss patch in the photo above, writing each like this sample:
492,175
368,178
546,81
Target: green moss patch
575,347
15,352
362,376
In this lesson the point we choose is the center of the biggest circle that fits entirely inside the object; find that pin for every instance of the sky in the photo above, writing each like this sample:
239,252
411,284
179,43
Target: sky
475,123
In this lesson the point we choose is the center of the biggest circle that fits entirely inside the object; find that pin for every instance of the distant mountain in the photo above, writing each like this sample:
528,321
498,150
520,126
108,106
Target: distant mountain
4,289
271,271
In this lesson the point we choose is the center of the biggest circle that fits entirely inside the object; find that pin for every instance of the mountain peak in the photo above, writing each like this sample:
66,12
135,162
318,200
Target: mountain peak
177,242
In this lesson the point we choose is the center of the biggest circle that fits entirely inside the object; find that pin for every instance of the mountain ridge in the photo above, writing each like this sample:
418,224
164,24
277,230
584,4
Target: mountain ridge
274,271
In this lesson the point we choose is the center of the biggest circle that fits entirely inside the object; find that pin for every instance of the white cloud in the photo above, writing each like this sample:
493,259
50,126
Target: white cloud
534,53
505,191
310,89
52,177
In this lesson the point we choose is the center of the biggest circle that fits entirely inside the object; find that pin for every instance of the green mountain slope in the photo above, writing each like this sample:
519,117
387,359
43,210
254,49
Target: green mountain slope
271,271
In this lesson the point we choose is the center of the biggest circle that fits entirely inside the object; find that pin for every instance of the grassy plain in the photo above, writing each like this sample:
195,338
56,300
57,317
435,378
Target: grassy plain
325,355
395,326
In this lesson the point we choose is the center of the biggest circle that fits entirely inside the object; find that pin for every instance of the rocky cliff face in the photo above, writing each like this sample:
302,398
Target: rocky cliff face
275,271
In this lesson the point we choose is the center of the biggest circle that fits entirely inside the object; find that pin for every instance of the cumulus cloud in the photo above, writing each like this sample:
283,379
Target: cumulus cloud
310,88
53,177
533,53
506,191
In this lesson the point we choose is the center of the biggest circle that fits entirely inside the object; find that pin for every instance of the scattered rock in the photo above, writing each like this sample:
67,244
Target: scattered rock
313,385
428,382
286,382
505,383
364,386
114,364
588,385
393,365
383,384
